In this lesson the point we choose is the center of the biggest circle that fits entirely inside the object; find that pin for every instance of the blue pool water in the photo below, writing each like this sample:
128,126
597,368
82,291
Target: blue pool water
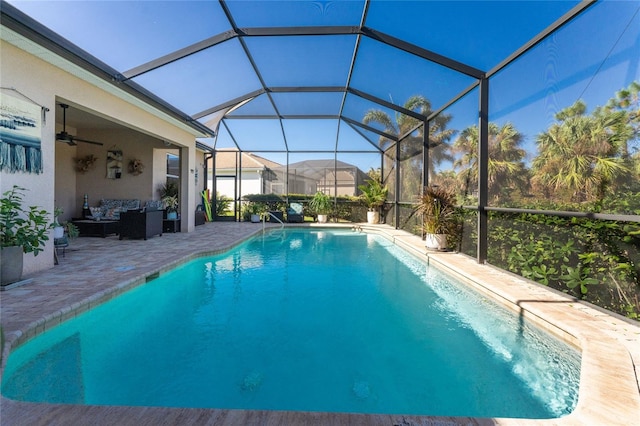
302,320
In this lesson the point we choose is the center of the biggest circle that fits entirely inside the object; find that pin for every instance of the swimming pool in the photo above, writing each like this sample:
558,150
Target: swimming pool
358,336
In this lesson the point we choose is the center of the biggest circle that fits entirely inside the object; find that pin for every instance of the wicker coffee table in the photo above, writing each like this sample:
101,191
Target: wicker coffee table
97,228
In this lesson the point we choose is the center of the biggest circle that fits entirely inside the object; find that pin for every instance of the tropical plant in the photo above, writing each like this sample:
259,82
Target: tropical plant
628,101
437,207
57,212
222,204
71,230
411,147
581,154
373,194
506,168
321,203
68,228
170,203
22,227
169,189
253,207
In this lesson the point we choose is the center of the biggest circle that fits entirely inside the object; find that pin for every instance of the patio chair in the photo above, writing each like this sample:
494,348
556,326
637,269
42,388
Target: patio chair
139,224
294,213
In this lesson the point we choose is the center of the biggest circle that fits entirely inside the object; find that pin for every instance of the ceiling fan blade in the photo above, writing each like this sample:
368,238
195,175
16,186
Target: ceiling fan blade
87,141
65,138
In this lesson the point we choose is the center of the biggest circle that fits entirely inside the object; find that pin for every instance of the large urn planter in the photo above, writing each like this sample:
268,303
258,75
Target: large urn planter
321,205
23,230
373,195
10,264
436,241
373,217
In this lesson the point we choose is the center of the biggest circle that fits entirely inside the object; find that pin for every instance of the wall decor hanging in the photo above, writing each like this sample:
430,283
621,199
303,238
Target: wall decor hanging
20,134
136,167
114,164
86,163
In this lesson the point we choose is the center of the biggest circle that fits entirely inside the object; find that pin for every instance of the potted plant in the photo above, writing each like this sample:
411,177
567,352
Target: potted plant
58,229
171,204
168,189
321,205
22,230
70,230
373,195
439,218
253,211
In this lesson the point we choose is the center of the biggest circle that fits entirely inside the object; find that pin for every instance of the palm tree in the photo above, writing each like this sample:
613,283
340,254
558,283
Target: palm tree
627,101
506,168
580,155
411,146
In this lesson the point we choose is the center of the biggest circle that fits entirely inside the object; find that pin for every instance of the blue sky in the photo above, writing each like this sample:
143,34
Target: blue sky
590,59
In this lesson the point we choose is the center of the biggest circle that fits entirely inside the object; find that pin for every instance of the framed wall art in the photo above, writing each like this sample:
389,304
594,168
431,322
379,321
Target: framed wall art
114,164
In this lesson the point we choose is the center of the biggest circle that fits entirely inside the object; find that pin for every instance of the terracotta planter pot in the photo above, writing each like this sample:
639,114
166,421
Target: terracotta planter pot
10,264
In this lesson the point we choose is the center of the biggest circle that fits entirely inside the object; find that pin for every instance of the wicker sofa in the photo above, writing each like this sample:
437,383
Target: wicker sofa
110,208
133,221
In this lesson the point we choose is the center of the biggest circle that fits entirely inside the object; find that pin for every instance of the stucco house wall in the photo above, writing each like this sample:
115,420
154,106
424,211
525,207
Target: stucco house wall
28,68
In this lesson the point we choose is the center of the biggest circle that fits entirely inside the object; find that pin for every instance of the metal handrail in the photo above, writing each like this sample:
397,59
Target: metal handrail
264,221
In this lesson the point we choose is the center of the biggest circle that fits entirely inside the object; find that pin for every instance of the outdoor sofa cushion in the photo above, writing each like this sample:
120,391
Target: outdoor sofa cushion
111,208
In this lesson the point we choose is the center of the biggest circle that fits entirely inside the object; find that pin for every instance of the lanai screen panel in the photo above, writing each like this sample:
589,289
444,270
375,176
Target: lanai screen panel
453,161
349,140
257,134
395,75
308,103
356,108
311,135
560,142
476,33
258,106
259,13
202,80
302,60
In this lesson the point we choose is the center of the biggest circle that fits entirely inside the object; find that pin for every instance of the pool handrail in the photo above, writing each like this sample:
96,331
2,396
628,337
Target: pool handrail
264,221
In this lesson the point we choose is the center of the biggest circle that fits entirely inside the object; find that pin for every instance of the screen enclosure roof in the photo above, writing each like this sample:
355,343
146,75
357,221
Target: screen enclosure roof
292,76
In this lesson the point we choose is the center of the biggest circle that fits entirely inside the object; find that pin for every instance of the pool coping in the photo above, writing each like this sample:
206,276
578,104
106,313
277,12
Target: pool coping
609,391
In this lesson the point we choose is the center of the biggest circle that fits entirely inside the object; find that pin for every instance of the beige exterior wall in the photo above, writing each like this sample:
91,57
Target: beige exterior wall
146,129
250,182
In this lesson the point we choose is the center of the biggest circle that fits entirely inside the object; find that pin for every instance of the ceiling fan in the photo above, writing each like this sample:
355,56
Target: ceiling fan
65,137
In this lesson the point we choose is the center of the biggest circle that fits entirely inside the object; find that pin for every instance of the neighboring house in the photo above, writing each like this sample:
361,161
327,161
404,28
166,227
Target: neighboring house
262,176
256,175
331,177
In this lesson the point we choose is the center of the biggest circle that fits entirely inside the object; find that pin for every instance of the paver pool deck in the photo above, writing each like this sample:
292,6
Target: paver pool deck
95,270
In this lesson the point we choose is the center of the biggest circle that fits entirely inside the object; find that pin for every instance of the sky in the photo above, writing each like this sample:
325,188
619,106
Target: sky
590,59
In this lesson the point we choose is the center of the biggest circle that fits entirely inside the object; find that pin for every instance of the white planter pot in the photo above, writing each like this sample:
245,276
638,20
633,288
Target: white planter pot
436,241
322,218
373,217
255,218
58,232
